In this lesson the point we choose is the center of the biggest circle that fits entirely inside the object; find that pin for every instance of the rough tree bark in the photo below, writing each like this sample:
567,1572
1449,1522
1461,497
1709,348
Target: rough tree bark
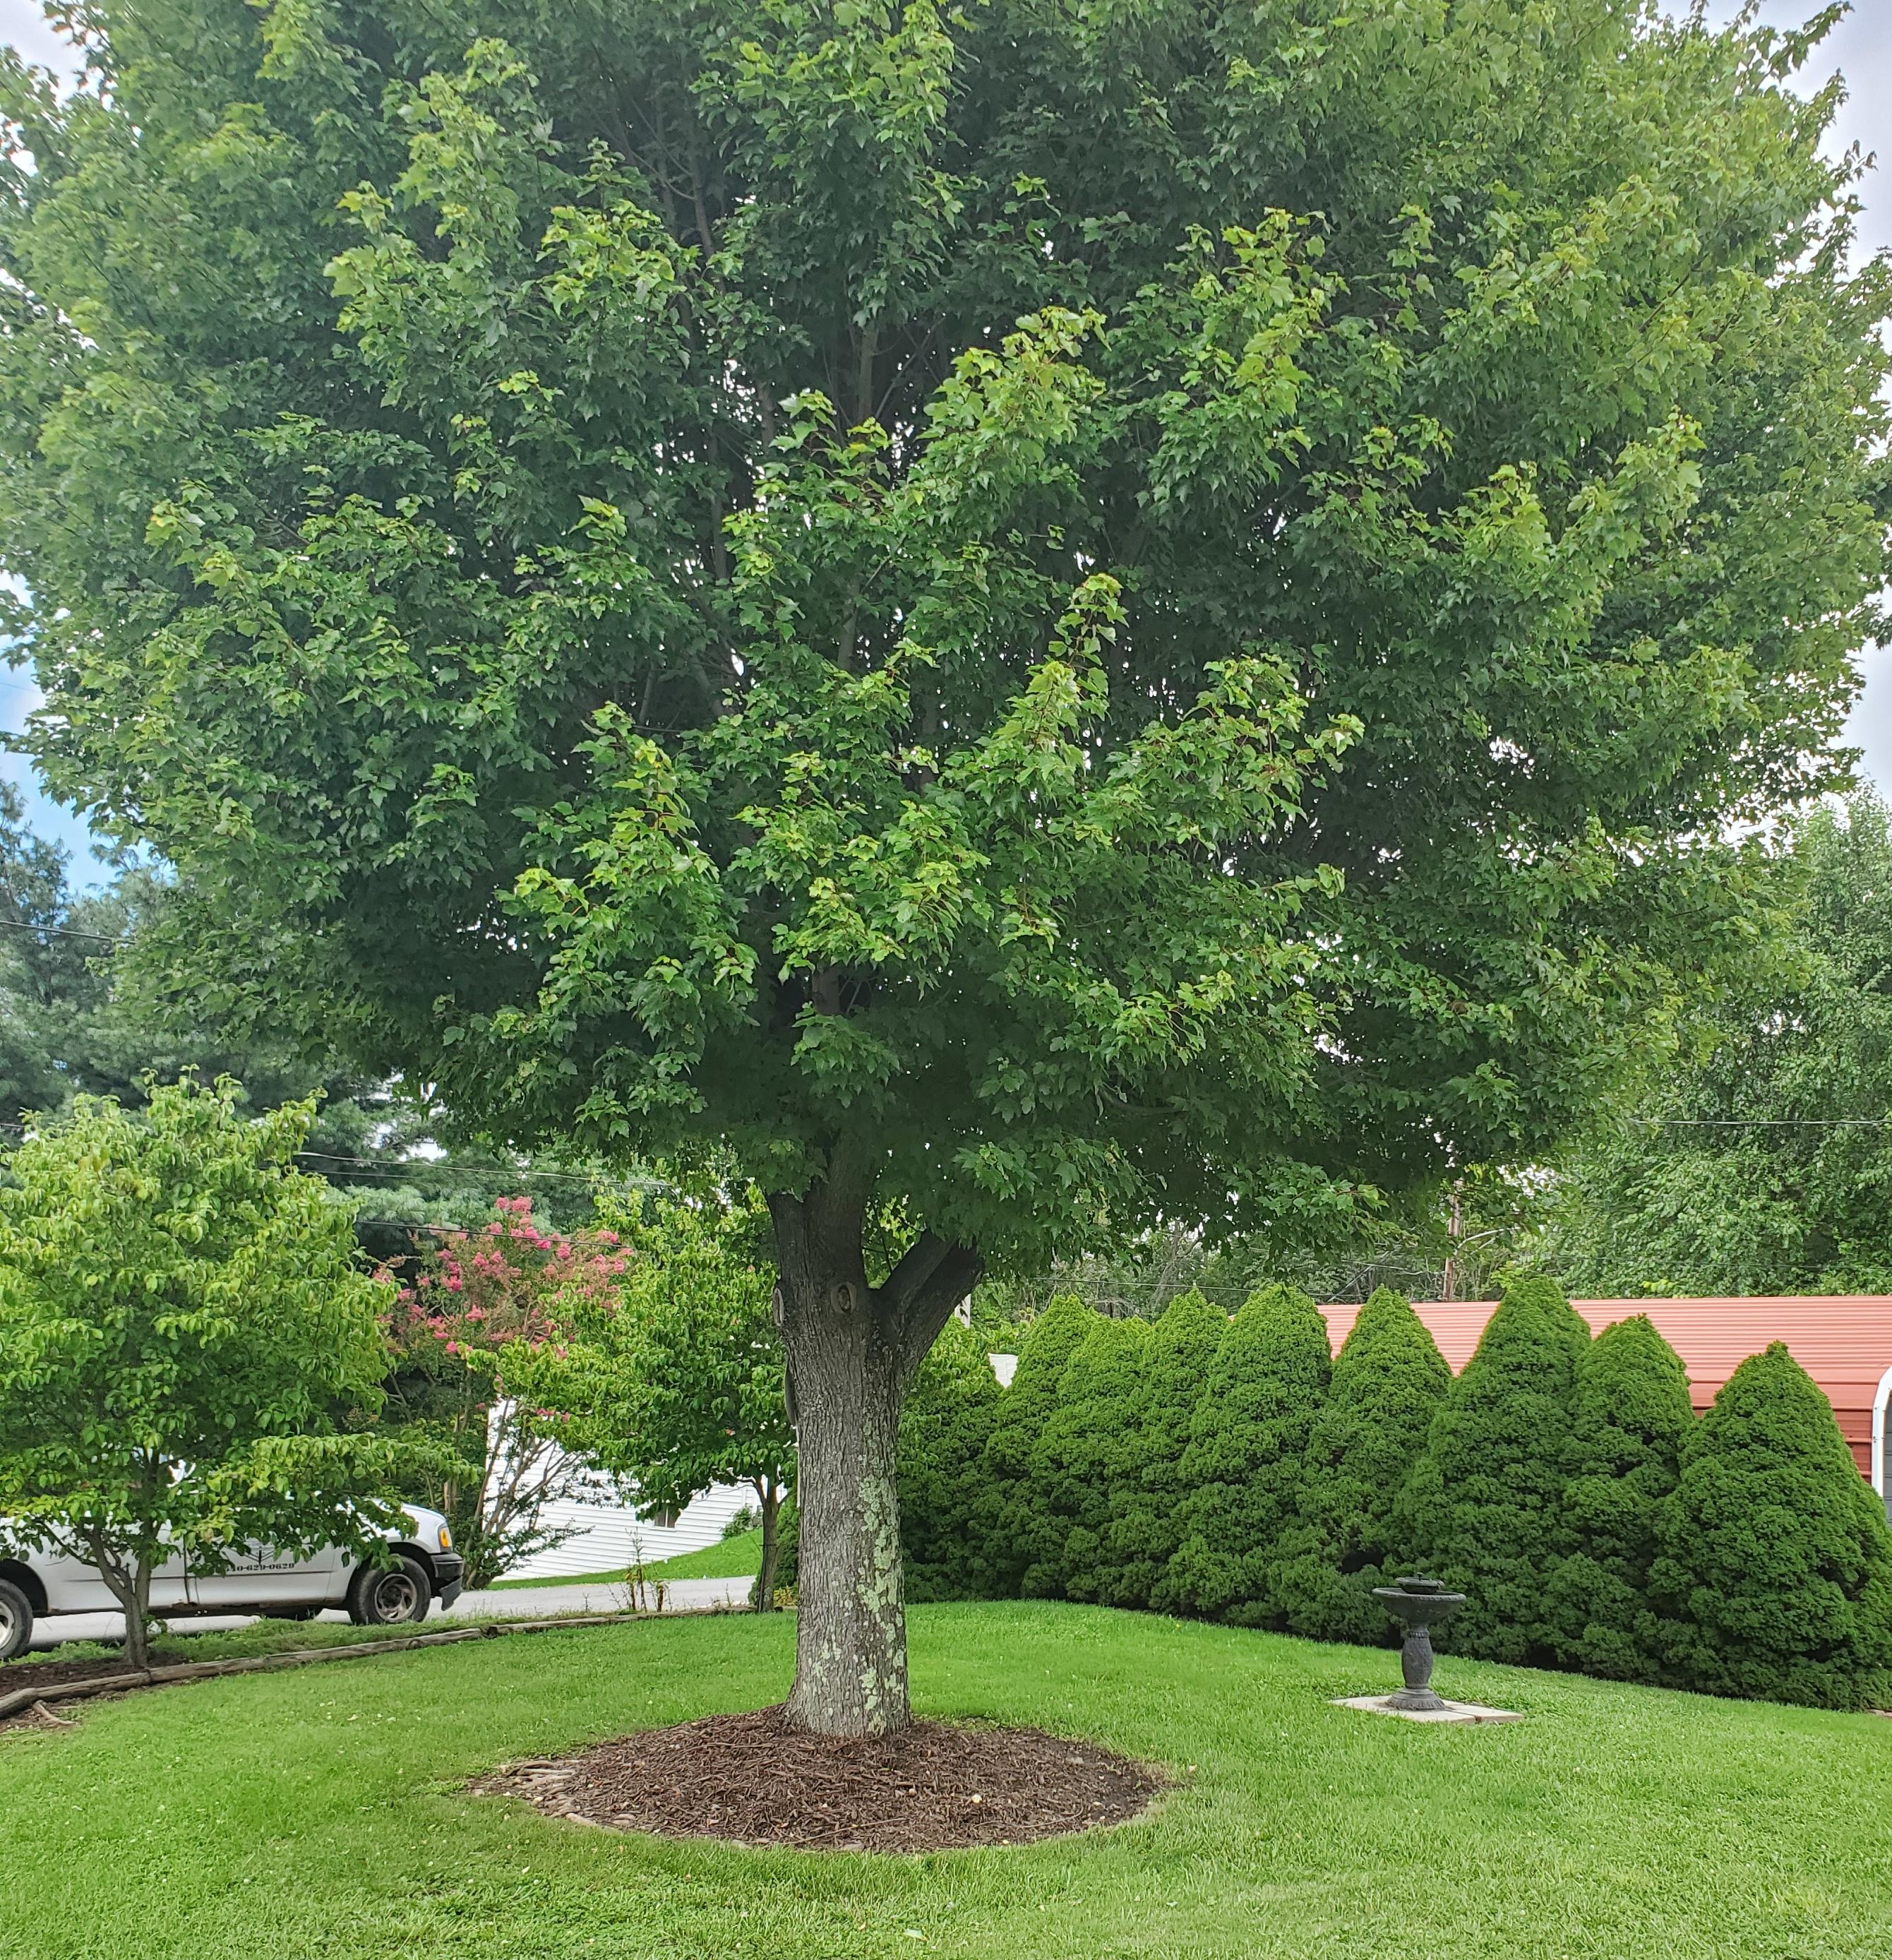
768,1497
852,1351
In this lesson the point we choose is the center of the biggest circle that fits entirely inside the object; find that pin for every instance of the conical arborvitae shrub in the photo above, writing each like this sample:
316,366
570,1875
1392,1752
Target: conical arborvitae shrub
1024,1409
1776,1564
1630,1418
1080,1457
1243,1466
949,1511
1145,1522
1485,1502
1389,1382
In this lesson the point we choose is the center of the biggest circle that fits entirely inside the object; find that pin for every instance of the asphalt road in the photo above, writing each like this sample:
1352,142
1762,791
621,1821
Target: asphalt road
522,1602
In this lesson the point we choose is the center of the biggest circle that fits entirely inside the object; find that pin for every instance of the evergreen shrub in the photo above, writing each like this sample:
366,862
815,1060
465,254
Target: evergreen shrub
1081,1456
949,1520
1243,1467
1145,1522
1023,1540
1389,1382
1486,1501
1630,1418
1775,1562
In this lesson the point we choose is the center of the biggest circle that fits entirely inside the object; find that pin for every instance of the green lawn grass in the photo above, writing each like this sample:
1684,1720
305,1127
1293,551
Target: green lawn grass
737,1557
316,1813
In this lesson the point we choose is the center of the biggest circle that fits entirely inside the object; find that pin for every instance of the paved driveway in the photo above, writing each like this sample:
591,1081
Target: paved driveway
522,1602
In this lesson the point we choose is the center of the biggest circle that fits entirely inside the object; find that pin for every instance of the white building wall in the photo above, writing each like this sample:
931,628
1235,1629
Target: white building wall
607,1536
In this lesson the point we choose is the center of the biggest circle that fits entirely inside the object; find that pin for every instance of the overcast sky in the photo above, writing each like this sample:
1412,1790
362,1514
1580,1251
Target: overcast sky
1860,48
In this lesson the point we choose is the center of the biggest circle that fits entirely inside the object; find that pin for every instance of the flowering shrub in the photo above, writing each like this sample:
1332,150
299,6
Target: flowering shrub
481,1331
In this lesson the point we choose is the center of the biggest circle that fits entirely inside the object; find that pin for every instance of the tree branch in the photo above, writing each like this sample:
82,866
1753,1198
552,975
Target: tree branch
932,1276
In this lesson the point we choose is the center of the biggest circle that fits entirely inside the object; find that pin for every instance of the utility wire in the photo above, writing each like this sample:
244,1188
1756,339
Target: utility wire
1765,1122
63,932
400,1166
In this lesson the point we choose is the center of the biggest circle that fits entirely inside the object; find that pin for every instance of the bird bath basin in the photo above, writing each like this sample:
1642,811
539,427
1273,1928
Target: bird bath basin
1419,1605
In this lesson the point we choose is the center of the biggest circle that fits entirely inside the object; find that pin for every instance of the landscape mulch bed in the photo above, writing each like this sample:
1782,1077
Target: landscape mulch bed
752,1780
60,1673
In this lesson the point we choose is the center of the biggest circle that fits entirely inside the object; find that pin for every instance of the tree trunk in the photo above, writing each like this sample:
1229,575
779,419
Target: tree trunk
768,1495
850,1645
852,1350
132,1590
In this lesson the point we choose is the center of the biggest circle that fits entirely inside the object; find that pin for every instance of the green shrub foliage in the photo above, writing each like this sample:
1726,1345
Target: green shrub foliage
1024,1409
1243,1466
1081,1456
1630,1418
948,1508
1486,1499
1146,1520
1389,1382
1776,1560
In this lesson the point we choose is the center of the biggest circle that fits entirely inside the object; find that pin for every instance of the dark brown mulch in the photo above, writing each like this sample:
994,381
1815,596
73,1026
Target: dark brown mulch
57,1673
752,1780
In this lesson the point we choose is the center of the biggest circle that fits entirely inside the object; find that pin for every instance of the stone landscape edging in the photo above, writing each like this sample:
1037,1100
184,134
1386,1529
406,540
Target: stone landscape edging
22,1699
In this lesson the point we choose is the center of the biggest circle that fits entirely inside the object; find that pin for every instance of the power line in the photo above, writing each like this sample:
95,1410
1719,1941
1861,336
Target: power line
1765,1122
63,932
382,1167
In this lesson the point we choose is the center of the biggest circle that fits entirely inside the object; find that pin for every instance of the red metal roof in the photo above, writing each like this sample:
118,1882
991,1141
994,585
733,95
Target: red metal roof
1843,1341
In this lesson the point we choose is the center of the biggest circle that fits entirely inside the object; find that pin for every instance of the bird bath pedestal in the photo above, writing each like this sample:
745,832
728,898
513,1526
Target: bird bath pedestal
1420,1605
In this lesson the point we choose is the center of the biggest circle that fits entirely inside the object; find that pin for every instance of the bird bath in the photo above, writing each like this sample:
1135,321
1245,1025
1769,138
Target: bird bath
1420,1605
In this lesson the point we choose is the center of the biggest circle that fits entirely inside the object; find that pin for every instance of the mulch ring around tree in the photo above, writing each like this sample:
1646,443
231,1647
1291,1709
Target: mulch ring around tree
751,1779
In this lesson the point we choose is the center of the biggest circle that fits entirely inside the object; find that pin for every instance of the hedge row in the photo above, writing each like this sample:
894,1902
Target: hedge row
1224,1469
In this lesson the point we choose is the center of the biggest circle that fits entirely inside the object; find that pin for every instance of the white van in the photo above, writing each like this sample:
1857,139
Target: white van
424,1567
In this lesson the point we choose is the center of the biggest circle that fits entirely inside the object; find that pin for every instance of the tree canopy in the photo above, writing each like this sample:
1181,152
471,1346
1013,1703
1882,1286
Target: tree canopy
1761,1166
188,1343
1043,621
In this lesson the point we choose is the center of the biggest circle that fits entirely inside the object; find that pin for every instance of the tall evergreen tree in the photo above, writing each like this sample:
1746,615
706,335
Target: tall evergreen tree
1025,1408
1775,1562
949,1510
1146,1521
1248,1440
1630,1419
1486,1498
1081,1457
1389,1382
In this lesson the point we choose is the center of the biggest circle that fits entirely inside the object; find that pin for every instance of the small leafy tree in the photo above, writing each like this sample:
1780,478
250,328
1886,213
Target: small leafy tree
184,1327
1146,1523
949,1508
1630,1420
1081,1456
1486,1498
1244,1466
1774,1569
478,1334
677,1380
1389,1382
1025,1538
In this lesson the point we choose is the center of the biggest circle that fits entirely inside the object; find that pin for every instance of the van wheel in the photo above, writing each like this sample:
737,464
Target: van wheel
16,1620
385,1596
